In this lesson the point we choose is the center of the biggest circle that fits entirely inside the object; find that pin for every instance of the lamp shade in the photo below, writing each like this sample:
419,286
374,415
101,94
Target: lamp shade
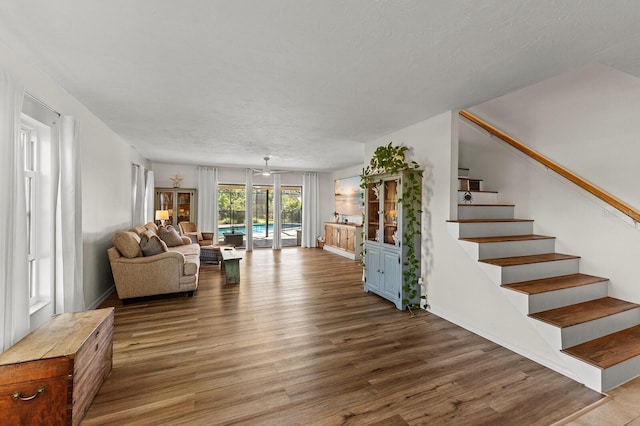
162,214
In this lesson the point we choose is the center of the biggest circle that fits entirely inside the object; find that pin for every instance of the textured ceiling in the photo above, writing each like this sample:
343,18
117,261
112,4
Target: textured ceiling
216,82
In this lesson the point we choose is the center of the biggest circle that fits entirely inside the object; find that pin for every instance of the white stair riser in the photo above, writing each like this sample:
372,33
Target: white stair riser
493,229
515,248
620,373
580,333
567,296
603,380
589,375
479,197
485,212
532,271
531,304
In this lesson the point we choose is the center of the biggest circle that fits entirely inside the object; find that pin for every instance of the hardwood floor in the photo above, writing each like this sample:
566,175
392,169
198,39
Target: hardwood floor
299,342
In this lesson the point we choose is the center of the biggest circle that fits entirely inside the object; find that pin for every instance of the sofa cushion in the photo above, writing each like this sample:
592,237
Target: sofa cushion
170,236
139,230
152,227
152,244
127,243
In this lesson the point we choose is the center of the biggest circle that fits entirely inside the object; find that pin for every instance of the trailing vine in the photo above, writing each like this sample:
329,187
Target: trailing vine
389,159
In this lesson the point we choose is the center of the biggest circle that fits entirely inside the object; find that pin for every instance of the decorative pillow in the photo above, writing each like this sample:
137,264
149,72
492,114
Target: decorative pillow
147,234
138,229
152,245
170,236
127,243
152,227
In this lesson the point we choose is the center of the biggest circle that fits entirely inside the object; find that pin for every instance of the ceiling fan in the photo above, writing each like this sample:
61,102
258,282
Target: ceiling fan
266,170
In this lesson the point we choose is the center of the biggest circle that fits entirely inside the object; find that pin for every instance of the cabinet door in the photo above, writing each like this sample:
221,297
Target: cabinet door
165,200
372,228
372,269
328,235
390,212
392,278
343,237
185,206
350,240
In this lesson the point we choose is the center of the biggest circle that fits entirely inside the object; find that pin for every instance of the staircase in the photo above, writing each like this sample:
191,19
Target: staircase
598,336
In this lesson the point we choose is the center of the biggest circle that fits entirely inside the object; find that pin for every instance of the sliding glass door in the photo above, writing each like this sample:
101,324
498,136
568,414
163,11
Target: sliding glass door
231,214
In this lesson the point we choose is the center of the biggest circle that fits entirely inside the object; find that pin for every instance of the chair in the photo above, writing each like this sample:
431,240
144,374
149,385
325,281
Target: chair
191,230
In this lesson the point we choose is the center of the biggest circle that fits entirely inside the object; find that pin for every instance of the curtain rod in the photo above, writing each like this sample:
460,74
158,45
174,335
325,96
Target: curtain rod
42,103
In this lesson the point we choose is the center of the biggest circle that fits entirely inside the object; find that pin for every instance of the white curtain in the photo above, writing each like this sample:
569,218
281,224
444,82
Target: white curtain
14,289
277,212
149,197
309,210
248,217
137,190
208,200
69,259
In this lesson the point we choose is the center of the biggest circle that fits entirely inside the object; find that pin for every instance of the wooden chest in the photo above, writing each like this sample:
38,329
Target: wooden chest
52,375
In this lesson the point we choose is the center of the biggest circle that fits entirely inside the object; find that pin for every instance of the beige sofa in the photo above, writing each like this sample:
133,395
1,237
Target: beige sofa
136,275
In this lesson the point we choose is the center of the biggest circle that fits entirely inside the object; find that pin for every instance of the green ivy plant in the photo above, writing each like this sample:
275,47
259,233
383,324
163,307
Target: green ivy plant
389,159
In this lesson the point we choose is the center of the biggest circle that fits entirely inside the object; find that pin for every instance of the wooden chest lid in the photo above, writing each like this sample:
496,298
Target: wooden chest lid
61,336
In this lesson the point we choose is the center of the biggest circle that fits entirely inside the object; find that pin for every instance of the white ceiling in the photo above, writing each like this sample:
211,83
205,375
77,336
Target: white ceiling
226,82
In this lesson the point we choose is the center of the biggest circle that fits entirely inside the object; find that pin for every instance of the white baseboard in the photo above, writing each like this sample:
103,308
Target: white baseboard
348,254
102,298
562,369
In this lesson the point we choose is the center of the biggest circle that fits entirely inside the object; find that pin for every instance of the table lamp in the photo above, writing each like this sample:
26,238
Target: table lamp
162,215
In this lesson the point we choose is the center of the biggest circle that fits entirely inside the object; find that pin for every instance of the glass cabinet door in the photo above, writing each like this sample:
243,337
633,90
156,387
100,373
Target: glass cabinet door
390,212
185,203
373,212
165,201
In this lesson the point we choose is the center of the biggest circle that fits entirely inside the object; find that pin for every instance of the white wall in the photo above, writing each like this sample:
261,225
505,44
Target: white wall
585,120
106,174
457,290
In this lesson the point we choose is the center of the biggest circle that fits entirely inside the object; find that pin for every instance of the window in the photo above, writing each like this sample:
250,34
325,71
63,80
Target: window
36,143
28,141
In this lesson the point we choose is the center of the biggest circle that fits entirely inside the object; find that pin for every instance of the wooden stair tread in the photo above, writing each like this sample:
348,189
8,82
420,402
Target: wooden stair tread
526,260
609,350
554,283
488,220
579,313
507,238
485,205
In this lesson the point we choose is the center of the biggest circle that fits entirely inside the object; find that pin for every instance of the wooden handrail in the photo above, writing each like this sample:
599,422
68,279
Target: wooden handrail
582,183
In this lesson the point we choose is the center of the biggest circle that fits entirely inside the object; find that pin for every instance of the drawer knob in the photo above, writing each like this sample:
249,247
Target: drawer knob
17,395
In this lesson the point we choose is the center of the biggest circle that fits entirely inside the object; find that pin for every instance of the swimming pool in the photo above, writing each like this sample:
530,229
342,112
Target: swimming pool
258,228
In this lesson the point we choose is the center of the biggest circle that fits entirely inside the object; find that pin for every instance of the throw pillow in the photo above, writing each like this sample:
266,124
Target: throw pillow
152,245
152,227
127,243
170,236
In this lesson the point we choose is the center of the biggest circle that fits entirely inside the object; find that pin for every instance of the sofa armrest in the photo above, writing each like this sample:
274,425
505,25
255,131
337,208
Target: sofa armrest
193,238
